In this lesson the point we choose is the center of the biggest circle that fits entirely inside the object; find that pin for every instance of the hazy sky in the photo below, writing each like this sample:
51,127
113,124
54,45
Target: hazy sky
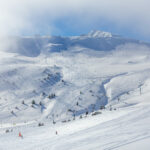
130,18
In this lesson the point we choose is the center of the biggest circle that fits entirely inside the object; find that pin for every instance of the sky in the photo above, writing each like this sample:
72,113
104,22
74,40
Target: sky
129,18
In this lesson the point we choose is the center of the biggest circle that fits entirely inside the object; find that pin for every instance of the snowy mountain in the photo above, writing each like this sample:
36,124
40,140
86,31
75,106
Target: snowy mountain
89,88
99,34
95,40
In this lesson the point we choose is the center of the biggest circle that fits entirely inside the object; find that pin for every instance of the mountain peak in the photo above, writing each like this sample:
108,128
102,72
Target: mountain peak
99,34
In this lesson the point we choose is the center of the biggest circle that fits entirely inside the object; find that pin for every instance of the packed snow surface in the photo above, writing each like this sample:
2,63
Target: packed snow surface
90,92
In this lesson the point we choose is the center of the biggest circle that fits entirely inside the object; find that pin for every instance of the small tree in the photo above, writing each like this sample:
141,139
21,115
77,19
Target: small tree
54,122
40,124
43,94
33,102
40,103
102,107
86,113
81,92
7,131
70,110
80,116
52,96
16,108
77,103
12,112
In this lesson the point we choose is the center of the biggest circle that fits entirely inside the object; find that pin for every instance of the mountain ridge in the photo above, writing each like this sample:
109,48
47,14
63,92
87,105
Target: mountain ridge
95,40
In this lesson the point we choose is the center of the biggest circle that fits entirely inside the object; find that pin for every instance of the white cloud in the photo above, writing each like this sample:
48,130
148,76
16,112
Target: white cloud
17,16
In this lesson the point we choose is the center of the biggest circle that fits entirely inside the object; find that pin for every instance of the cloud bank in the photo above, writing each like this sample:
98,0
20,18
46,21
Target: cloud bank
35,16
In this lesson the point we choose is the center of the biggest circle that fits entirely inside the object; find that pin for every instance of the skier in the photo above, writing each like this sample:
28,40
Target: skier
20,135
56,132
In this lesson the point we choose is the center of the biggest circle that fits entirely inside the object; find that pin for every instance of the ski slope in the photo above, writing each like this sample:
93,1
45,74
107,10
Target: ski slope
57,80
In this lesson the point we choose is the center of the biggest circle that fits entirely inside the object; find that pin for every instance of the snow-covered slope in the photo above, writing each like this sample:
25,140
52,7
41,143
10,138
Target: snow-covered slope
64,82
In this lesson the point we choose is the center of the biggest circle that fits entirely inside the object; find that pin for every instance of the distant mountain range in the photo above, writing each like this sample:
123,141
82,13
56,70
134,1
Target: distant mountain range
95,40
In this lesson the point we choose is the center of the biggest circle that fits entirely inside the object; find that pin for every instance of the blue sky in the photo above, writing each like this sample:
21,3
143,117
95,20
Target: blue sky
129,18
70,26
65,29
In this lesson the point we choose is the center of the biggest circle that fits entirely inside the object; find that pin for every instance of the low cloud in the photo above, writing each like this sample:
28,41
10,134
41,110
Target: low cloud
35,16
131,50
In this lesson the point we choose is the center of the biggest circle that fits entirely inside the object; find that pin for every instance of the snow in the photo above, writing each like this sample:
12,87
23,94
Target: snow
118,79
99,34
